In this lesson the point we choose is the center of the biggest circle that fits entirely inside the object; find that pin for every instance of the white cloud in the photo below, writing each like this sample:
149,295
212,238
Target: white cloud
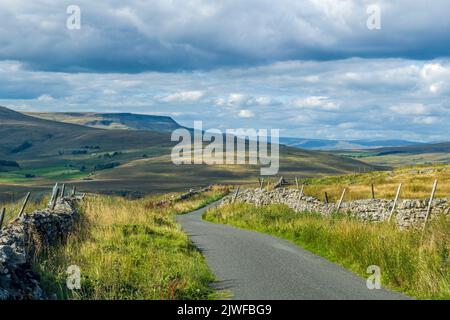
347,125
184,96
263,101
410,109
232,100
432,71
236,99
303,118
318,102
426,120
45,98
436,77
221,102
389,97
435,87
244,113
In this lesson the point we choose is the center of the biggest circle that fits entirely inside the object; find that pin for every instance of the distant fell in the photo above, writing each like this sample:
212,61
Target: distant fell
443,147
23,136
127,121
325,144
116,161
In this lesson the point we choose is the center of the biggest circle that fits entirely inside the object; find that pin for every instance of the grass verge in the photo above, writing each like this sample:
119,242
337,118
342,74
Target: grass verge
417,184
418,267
130,249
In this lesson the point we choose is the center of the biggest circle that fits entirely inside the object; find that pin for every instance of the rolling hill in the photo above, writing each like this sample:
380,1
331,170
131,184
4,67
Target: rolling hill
160,173
324,144
423,154
121,161
443,147
128,121
23,137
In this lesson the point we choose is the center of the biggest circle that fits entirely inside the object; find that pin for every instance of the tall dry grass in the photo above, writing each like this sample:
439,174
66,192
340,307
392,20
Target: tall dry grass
417,184
419,267
13,208
130,249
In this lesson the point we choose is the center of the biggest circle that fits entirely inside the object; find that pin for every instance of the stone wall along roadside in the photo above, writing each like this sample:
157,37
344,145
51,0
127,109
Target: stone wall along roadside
22,239
408,213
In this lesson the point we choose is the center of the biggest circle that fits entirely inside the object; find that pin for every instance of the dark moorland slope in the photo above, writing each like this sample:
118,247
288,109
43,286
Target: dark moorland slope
128,160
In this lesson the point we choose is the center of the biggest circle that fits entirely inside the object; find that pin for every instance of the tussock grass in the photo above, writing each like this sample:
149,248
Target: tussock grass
130,249
415,266
417,184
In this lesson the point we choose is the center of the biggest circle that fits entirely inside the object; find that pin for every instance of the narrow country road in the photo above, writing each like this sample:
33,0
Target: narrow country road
252,265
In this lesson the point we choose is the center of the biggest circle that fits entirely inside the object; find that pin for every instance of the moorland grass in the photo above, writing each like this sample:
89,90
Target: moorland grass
418,267
417,184
130,249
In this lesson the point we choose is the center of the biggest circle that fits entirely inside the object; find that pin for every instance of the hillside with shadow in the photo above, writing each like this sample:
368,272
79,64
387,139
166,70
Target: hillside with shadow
41,151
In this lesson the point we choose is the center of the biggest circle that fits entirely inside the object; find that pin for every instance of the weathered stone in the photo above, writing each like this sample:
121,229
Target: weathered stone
409,213
22,238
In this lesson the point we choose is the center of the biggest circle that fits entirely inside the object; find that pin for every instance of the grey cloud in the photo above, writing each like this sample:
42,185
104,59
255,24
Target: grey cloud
410,111
187,35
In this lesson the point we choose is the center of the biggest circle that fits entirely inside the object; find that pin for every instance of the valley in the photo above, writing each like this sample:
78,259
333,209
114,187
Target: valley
224,150
125,161
36,151
122,167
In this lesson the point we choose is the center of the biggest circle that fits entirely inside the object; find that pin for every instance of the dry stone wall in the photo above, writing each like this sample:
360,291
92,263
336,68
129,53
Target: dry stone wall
409,213
22,238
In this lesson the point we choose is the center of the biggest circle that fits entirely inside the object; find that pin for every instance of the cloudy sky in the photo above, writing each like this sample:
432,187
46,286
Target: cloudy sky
312,68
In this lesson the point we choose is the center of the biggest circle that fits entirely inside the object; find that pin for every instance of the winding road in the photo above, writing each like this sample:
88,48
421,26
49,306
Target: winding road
252,265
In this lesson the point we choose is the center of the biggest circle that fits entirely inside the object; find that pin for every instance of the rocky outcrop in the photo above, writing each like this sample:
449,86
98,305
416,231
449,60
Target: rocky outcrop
22,239
408,213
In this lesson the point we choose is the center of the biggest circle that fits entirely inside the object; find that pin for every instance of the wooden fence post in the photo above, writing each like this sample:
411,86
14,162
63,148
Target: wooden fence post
430,204
341,200
74,191
296,182
236,194
395,201
301,194
2,217
326,198
52,198
63,190
373,192
55,199
301,191
27,197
